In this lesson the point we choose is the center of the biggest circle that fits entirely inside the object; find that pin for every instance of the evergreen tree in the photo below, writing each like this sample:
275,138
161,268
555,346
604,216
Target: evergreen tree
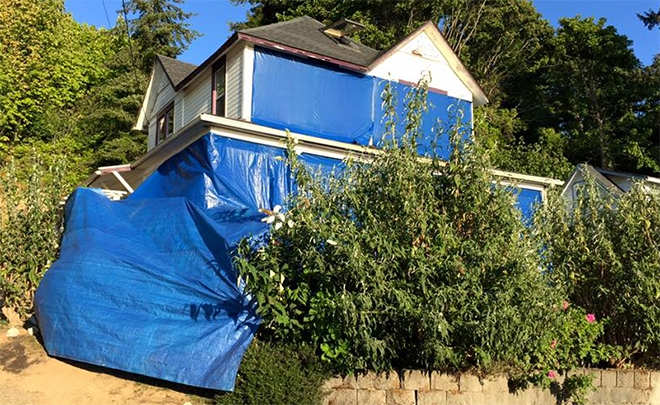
158,28
153,27
651,19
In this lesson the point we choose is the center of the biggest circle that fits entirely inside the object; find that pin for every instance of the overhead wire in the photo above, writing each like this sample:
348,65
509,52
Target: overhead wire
124,10
107,17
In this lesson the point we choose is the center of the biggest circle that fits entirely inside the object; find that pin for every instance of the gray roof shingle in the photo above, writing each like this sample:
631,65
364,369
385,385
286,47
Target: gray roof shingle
305,33
175,70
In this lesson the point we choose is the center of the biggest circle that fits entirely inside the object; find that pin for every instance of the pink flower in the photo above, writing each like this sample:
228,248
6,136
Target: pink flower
564,305
552,374
591,318
553,344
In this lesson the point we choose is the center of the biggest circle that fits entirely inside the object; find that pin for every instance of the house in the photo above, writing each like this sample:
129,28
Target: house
307,78
615,183
147,284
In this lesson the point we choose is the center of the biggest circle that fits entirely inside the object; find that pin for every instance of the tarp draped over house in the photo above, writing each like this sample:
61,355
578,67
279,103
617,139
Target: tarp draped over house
312,98
146,285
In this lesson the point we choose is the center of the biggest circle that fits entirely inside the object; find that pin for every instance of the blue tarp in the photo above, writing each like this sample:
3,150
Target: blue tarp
146,285
526,200
317,99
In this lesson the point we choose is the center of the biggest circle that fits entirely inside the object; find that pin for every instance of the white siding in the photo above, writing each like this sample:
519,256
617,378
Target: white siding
197,98
248,72
178,111
418,57
234,84
151,142
164,97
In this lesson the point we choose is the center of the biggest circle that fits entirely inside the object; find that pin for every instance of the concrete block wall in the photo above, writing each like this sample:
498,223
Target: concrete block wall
413,387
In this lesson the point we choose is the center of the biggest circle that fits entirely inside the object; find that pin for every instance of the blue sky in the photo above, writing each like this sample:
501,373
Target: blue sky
214,15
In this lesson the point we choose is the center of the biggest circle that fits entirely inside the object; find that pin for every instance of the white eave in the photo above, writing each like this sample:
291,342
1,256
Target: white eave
110,177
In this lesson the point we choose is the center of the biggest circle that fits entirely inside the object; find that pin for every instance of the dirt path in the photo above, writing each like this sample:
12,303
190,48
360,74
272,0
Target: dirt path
29,377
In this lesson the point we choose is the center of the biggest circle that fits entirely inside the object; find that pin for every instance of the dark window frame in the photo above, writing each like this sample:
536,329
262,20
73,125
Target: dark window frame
165,124
219,102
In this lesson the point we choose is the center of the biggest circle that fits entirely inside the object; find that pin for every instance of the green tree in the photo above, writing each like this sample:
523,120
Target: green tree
48,62
402,263
107,117
592,94
605,250
159,27
31,192
650,18
497,39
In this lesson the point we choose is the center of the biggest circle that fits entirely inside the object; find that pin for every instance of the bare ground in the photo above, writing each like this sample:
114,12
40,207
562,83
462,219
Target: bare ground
28,376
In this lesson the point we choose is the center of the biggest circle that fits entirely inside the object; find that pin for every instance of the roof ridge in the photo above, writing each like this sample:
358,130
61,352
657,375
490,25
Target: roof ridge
175,70
174,59
279,24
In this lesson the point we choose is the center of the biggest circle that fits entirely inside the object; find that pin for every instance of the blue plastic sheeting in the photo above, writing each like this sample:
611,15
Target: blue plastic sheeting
318,99
526,200
146,285
445,114
312,98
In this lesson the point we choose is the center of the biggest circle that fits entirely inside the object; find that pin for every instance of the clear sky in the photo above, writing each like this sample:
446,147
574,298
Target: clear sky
213,17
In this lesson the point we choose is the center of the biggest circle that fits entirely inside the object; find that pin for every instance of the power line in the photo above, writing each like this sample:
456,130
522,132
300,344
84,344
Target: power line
124,10
105,10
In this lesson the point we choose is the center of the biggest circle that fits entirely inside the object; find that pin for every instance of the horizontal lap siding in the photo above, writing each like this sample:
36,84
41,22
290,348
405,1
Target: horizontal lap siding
235,84
152,135
165,96
179,106
197,100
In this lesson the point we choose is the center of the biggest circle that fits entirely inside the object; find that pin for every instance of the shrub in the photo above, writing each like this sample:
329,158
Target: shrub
277,374
30,226
403,263
605,251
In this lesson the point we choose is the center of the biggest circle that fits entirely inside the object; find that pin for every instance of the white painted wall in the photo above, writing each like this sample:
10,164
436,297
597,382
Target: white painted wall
248,74
164,95
417,57
234,83
151,142
197,97
179,105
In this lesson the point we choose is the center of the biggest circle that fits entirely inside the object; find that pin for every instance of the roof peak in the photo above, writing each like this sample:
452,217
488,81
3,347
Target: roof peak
307,34
174,69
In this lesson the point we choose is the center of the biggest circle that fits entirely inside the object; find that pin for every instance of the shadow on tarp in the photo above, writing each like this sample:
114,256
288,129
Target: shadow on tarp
146,285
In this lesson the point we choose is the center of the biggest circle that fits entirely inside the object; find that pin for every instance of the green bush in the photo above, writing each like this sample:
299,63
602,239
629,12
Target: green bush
277,374
408,263
605,251
30,226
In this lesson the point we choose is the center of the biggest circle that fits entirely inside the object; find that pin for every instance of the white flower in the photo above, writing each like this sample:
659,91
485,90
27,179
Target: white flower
331,242
274,217
291,223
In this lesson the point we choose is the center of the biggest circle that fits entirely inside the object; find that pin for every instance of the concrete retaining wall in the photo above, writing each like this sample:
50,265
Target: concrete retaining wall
613,387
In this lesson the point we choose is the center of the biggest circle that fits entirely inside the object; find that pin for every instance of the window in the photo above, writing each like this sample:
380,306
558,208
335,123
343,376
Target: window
165,126
219,87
